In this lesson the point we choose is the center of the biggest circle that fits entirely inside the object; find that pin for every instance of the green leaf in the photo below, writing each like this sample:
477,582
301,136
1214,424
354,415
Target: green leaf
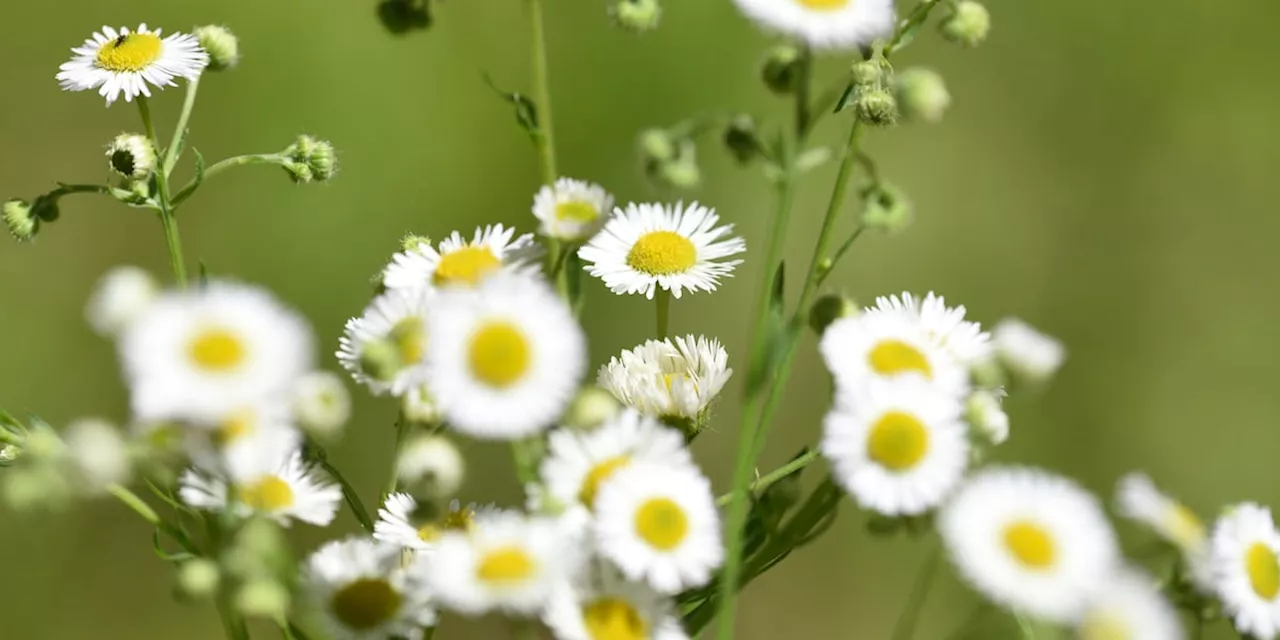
167,497
775,332
7,420
167,556
203,277
526,110
845,99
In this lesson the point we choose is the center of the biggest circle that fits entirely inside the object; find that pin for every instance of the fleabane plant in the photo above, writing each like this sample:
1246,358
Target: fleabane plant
476,339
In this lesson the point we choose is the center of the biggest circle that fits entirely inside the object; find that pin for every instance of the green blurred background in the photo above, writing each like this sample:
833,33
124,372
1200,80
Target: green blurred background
1106,173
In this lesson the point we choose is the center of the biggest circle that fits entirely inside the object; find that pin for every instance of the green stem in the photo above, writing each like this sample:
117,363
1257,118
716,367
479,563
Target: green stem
136,503
171,236
963,631
348,492
542,93
835,257
906,625
662,304
1025,626
767,480
223,165
179,138
918,15
403,427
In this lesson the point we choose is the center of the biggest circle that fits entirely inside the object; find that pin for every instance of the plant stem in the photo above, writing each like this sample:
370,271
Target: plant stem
662,304
906,625
767,480
402,431
542,93
134,502
179,138
348,492
166,214
223,165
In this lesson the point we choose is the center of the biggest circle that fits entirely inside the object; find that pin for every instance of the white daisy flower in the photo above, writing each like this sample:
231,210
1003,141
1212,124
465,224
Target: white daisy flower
505,358
1129,607
1031,541
321,404
668,378
269,478
508,563
404,522
985,414
432,462
659,525
963,339
602,605
899,447
1027,353
454,261
418,405
365,591
385,348
647,247
203,353
887,346
1139,500
211,444
119,298
125,61
578,463
572,210
1246,569
824,24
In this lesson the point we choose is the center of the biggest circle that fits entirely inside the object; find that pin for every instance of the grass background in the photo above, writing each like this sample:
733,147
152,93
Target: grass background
1106,173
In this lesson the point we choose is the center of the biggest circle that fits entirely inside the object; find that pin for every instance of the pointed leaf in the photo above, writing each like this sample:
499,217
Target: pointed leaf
845,99
526,110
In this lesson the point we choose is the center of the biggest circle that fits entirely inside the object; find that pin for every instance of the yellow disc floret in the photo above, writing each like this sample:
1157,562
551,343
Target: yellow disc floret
467,265
131,52
499,353
892,357
1030,544
614,619
661,253
897,441
662,523
506,565
217,350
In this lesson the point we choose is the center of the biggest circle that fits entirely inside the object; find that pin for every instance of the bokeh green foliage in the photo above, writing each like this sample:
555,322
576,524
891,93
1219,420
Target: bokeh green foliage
1105,173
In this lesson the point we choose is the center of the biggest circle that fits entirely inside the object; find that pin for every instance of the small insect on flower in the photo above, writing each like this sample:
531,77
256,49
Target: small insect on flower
364,591
1138,499
602,605
880,344
507,562
386,347
125,62
1030,541
505,358
824,24
647,247
1129,606
120,297
456,262
1245,562
899,447
404,522
658,524
673,378
204,353
572,210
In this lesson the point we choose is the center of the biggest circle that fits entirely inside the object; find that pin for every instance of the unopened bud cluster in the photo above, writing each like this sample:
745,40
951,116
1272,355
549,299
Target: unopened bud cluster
885,208
967,25
873,101
670,159
637,16
310,160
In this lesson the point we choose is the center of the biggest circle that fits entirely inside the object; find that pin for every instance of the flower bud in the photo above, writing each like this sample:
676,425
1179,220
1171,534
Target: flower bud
876,107
380,359
299,172
830,308
9,454
119,298
311,159
885,209
741,138
264,598
865,73
413,241
402,16
432,465
591,408
1031,356
967,25
98,454
637,16
321,404
131,156
922,95
656,146
21,221
198,579
781,69
419,407
986,417
222,46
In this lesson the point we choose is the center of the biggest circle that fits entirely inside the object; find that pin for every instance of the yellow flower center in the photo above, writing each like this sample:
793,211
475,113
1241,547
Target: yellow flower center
1105,626
825,5
614,619
577,211
271,493
662,523
897,441
499,353
602,471
365,604
1264,570
217,350
130,52
410,337
467,265
661,253
506,565
456,519
1030,544
1185,527
429,532
234,428
892,357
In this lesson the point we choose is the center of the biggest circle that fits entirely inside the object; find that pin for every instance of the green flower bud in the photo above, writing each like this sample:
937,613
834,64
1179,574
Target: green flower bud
656,146
402,16
22,222
885,209
222,46
830,308
380,359
781,69
9,454
876,107
967,25
198,579
299,172
412,241
989,374
591,408
741,138
637,16
317,155
681,174
131,156
922,94
865,73
263,598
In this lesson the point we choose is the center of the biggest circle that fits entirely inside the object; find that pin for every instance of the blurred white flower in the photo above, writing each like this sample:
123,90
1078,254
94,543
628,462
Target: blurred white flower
572,210
1245,562
454,261
119,298
364,590
1027,353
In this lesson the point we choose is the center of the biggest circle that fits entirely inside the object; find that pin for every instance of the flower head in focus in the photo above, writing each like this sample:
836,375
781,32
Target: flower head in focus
126,61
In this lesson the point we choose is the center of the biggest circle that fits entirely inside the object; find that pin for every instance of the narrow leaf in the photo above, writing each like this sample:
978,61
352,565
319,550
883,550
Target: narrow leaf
845,99
526,110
